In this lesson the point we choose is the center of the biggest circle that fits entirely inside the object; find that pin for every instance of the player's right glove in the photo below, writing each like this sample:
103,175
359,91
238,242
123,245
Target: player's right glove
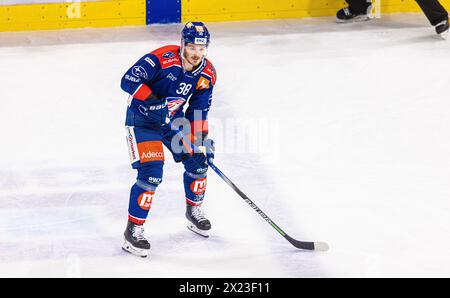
195,163
154,109
205,144
208,149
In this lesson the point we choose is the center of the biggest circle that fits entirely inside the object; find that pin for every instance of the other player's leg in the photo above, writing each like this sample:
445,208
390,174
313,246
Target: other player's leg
356,11
436,14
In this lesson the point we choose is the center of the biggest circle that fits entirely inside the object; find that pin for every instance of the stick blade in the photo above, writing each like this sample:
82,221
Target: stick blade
306,245
321,246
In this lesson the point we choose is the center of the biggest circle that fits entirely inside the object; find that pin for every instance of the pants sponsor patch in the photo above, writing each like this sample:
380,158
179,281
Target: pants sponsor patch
150,151
132,146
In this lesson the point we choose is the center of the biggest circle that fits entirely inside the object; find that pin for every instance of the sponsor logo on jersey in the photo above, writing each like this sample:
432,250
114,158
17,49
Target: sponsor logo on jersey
202,83
153,180
152,155
168,55
139,72
171,77
210,71
144,109
145,200
198,186
213,69
157,107
150,61
133,79
150,151
170,61
199,198
132,146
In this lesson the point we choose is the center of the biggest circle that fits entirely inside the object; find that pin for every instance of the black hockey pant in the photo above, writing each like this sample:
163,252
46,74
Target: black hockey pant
433,10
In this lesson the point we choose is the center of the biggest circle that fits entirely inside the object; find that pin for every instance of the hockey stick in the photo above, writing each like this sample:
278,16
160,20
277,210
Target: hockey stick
319,246
307,245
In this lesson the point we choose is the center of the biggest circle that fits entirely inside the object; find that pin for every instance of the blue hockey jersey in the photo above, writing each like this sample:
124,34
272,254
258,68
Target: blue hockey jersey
162,74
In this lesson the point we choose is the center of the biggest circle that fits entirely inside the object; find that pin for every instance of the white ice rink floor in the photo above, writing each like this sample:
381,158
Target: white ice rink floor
339,133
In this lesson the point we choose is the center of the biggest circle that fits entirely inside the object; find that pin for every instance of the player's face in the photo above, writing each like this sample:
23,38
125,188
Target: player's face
194,53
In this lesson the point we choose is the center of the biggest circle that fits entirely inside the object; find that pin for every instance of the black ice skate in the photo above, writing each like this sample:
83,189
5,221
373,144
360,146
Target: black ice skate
135,241
348,15
442,29
197,222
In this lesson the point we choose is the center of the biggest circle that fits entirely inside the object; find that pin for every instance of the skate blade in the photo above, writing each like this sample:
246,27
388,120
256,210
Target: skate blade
126,246
444,35
196,230
354,20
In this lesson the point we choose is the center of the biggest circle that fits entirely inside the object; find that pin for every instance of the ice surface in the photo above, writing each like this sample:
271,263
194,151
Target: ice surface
351,147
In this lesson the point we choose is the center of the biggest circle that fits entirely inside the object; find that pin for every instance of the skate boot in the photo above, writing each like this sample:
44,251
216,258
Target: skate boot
197,222
442,29
348,15
135,241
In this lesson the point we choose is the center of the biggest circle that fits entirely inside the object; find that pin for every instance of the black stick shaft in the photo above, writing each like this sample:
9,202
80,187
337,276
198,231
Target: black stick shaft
299,244
296,243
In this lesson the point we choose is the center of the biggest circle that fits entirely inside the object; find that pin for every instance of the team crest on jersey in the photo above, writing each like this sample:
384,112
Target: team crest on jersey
202,83
139,72
174,103
168,55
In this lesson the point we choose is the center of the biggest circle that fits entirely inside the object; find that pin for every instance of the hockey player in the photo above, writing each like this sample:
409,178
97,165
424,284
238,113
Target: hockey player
359,10
160,84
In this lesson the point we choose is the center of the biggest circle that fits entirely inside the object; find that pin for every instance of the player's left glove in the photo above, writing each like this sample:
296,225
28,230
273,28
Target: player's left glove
195,163
208,144
155,110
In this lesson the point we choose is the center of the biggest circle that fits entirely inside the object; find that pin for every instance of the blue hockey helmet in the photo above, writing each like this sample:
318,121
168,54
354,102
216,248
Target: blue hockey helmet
196,33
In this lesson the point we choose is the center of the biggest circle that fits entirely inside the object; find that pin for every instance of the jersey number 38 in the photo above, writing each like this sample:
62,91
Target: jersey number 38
184,89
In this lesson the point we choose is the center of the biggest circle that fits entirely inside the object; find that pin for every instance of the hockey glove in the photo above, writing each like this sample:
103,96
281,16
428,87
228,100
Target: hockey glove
155,109
195,163
208,144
